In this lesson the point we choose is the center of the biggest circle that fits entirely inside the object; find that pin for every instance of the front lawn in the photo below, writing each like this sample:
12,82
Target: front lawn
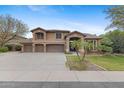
74,63
111,63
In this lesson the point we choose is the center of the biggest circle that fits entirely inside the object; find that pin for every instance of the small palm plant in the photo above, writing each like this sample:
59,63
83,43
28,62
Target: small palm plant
87,48
78,45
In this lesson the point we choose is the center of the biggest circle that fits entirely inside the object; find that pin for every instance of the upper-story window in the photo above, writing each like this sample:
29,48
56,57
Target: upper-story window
58,35
39,35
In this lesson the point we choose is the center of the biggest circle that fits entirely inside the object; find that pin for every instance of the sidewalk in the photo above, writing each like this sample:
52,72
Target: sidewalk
62,76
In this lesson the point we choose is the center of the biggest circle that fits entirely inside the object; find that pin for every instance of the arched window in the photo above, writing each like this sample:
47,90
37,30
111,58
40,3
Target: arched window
39,35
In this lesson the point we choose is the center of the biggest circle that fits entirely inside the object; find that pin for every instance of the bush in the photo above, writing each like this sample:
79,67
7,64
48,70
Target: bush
18,48
9,47
105,49
13,47
3,49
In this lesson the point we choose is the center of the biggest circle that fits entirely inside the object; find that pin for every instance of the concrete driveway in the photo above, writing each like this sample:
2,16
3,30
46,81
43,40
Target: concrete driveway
15,61
47,67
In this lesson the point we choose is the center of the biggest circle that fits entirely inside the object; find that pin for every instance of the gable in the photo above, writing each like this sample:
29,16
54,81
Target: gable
38,30
75,34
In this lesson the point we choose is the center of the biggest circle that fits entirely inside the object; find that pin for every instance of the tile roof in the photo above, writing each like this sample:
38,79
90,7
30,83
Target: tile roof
86,35
50,30
90,36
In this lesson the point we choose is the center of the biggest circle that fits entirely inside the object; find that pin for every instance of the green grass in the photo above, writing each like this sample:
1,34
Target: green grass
74,63
109,62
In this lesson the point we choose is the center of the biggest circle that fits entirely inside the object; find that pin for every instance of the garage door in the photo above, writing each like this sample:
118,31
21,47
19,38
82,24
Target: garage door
39,48
55,48
28,48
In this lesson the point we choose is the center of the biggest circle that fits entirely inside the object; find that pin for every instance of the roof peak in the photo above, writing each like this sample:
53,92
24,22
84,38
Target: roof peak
49,30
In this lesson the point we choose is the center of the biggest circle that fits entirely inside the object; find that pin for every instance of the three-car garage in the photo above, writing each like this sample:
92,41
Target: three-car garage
42,48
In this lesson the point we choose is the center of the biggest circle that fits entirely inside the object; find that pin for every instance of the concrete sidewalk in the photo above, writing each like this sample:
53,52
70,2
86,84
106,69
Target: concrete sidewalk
62,76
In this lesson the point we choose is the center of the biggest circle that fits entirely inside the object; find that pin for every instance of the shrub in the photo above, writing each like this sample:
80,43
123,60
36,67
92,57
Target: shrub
105,49
9,47
18,47
105,46
3,49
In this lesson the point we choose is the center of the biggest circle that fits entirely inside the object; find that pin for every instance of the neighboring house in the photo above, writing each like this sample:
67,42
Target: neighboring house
15,42
55,40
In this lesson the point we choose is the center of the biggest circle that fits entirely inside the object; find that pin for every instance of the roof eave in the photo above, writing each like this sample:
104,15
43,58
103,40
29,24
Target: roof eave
37,29
93,38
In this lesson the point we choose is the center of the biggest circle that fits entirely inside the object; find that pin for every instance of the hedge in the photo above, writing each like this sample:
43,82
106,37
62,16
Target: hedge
3,49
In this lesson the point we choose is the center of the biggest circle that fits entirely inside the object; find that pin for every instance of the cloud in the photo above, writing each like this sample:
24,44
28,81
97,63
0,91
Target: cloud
42,9
34,7
87,27
62,24
77,26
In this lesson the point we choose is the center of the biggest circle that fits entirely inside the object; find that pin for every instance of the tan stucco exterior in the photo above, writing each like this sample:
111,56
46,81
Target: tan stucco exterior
74,34
49,40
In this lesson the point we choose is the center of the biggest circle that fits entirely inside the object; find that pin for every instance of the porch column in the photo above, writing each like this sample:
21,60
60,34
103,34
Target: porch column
33,47
67,45
93,45
96,43
22,48
82,49
44,47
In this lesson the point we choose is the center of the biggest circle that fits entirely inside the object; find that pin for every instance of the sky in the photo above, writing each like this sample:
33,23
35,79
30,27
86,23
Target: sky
84,18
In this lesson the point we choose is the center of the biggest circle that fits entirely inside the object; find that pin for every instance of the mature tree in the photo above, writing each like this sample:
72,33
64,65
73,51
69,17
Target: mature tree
78,45
10,28
106,45
116,16
117,37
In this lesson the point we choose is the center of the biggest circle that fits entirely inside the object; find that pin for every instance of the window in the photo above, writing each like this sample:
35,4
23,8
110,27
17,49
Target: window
39,35
58,35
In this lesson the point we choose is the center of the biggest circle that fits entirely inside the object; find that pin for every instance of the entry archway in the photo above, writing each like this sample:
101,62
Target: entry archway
70,41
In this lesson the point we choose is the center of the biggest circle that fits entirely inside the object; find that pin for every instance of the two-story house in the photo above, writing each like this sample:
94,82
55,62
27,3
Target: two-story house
56,40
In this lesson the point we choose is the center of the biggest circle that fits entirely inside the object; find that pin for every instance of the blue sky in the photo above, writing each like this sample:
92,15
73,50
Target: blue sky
84,18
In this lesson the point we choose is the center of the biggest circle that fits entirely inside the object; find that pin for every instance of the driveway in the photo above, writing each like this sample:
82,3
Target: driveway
15,61
47,67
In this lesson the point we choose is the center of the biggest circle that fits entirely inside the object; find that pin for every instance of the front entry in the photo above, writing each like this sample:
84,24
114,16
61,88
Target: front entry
70,41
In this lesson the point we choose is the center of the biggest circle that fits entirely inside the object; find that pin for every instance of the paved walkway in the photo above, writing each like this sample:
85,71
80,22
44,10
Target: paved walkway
61,79
64,76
